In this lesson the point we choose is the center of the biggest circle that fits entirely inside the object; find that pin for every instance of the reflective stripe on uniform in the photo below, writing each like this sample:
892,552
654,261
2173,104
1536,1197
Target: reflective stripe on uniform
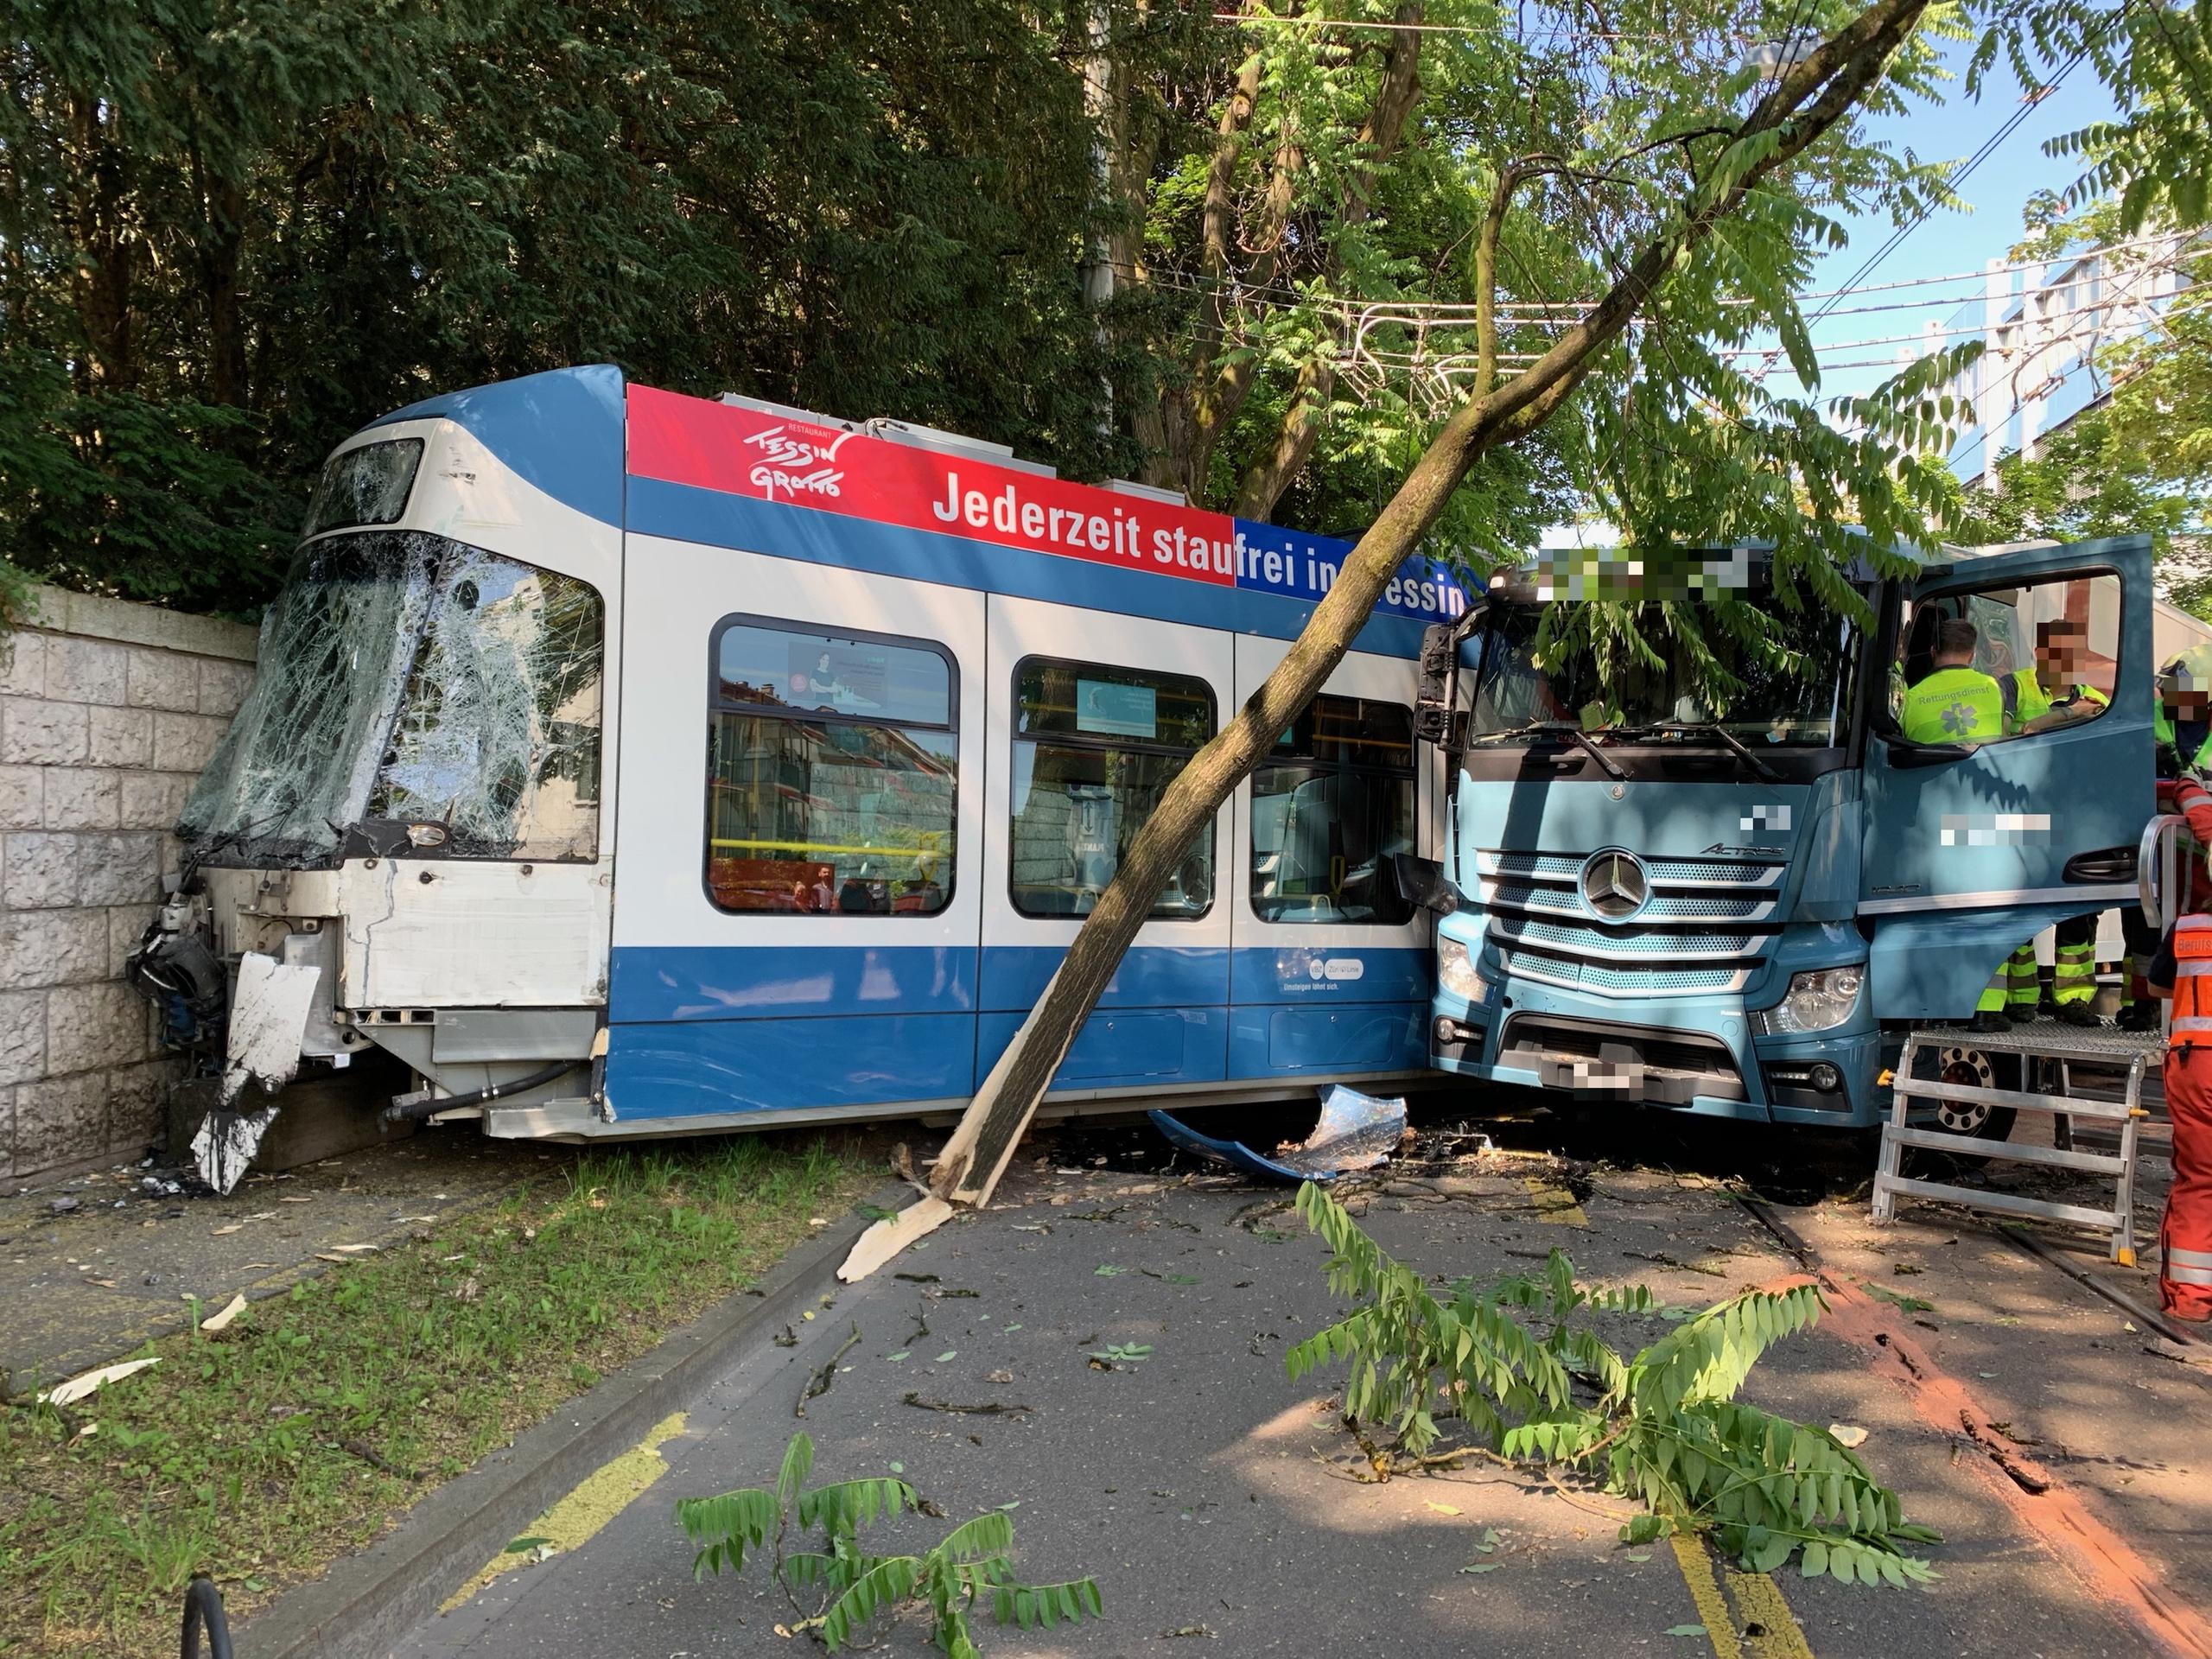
2073,974
2192,1010
1994,995
2186,1275
2188,1258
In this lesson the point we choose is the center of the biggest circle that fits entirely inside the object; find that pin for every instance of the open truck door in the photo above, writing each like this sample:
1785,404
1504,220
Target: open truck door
1975,841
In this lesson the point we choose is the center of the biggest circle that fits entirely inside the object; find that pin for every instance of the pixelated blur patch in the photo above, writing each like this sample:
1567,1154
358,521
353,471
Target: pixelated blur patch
1995,829
1575,572
1765,817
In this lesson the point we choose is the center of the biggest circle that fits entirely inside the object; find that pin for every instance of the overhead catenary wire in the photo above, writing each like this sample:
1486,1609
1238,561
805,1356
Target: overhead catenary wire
1568,310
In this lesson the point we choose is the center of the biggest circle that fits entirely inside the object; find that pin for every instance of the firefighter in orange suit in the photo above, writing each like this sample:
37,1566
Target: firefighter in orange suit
2183,970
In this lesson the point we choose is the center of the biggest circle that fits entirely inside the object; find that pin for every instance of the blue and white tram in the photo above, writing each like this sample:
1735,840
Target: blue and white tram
632,764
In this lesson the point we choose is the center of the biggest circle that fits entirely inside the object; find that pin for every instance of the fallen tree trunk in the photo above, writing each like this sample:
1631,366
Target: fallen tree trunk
1804,103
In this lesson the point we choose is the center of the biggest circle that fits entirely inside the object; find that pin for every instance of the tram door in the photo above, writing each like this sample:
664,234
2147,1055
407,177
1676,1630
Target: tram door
799,907
1330,966
1088,717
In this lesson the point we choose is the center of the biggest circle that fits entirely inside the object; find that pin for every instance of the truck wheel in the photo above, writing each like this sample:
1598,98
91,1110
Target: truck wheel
1977,1068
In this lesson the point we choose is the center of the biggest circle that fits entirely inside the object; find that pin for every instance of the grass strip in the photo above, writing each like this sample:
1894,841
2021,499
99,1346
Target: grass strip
262,1454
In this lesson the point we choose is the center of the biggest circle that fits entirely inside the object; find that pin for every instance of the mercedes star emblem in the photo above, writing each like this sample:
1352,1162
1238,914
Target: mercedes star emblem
1615,885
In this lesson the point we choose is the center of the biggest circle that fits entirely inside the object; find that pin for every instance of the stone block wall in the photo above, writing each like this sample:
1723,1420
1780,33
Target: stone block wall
108,711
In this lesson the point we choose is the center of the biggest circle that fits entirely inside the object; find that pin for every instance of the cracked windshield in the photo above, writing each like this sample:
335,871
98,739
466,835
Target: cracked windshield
1795,693
407,677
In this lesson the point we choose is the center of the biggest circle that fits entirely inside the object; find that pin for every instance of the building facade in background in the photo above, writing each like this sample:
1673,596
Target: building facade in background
2042,324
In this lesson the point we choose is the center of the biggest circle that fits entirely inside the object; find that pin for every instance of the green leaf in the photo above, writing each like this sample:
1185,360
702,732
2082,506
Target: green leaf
1683,1630
799,1464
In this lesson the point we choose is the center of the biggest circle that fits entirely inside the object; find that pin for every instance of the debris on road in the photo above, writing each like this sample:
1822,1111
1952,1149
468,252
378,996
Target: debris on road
989,1408
1356,1132
90,1382
818,1384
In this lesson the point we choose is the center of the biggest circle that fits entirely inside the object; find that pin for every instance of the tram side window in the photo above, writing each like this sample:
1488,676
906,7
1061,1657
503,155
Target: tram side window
1095,746
832,762
1331,804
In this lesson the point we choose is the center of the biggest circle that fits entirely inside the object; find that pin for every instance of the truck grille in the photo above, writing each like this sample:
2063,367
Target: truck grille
1665,872
1609,981
1755,906
1625,943
1707,924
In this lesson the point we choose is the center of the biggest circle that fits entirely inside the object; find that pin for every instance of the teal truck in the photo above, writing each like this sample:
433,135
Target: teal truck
1740,908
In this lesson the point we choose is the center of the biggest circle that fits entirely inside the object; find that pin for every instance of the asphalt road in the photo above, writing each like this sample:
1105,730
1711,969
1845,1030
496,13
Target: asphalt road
1219,1505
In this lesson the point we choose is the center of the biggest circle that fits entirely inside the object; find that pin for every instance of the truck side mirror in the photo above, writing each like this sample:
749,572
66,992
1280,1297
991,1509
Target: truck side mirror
1432,700
1421,882
1437,717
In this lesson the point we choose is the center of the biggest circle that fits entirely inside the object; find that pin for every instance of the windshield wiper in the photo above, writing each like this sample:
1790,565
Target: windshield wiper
1720,734
1569,730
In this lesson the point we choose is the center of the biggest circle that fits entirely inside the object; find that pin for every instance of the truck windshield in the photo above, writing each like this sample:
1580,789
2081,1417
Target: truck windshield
408,678
1798,696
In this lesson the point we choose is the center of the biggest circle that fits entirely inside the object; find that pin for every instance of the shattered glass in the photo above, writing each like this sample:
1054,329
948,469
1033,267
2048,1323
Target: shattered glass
498,735
404,675
297,763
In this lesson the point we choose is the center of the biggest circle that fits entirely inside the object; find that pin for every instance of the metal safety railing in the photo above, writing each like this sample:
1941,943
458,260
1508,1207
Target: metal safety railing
2160,856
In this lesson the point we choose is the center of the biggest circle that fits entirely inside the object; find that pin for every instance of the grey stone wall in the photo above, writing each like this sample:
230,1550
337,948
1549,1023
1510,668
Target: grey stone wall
108,710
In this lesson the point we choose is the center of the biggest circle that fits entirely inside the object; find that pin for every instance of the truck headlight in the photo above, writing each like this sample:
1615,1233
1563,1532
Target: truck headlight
1819,1000
1455,970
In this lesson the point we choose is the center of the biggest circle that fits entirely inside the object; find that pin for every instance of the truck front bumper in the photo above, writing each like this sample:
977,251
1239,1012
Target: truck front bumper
1695,1055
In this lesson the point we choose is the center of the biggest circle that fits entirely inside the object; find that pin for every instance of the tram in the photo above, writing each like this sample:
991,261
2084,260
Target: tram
629,764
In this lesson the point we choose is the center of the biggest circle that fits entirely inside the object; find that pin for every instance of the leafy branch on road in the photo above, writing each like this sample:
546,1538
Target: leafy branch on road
851,1589
1663,1427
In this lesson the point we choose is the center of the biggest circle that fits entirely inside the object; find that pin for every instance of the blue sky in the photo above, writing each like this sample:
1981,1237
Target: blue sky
1948,242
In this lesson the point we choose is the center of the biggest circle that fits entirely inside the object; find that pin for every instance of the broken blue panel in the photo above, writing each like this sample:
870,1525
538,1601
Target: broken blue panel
1356,1132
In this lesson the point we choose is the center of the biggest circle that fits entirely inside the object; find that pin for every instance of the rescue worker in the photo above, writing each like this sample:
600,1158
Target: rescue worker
2046,693
1956,702
2183,970
2049,693
2181,724
2183,720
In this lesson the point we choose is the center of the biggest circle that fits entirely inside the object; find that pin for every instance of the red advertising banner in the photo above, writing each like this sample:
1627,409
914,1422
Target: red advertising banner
770,458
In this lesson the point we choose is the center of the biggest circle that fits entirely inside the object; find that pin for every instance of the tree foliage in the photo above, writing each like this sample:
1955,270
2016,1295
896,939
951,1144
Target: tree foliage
1664,1427
852,1589
233,230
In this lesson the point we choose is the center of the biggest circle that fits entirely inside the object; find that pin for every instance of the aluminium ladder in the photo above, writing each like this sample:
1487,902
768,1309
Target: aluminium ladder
2159,858
2050,1040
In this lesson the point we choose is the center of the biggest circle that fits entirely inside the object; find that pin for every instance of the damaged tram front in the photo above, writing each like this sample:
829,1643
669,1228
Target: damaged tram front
404,820
896,703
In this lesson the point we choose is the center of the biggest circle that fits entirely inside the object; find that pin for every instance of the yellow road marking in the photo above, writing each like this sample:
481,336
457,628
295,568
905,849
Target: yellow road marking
597,1499
1758,1598
1769,1630
1705,1591
1555,1205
